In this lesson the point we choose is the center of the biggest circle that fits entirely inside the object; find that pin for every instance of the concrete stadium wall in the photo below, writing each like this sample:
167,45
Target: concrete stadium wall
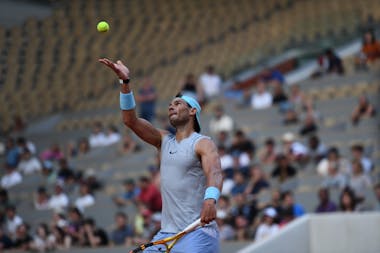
329,233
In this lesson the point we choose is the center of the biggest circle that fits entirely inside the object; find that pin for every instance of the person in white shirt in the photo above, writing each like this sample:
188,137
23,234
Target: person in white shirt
359,181
211,83
97,137
293,149
357,152
267,227
29,164
11,178
12,220
113,136
59,200
261,98
85,199
220,122
22,143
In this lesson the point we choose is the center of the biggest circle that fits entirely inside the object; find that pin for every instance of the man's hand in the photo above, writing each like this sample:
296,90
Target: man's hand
119,68
208,213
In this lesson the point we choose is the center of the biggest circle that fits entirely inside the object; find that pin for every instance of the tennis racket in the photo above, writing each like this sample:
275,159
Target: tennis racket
169,241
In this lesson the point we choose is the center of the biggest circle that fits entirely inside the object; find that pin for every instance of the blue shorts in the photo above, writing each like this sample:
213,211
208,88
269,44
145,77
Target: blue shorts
202,240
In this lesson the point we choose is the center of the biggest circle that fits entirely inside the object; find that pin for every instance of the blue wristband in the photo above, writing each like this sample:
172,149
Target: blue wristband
127,101
212,193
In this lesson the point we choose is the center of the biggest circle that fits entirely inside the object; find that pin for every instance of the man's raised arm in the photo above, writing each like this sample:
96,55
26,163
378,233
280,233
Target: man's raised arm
142,128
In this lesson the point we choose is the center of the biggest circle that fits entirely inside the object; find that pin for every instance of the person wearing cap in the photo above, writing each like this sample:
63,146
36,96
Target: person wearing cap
267,227
191,177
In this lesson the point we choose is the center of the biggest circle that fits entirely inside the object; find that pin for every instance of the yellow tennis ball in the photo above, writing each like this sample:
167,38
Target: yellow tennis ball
103,26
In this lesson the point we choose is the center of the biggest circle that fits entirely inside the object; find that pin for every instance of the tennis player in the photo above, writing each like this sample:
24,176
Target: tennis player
191,177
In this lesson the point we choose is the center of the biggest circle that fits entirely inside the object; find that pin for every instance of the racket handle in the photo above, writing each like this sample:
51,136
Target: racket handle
192,226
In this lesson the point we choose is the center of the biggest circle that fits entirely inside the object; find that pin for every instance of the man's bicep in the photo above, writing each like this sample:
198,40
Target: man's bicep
147,132
208,153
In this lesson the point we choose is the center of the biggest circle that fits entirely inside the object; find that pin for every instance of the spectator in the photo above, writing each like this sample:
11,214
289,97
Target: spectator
377,194
333,159
325,204
267,227
97,137
317,150
289,203
149,195
363,109
297,97
123,232
112,136
211,83
92,236
85,199
334,178
274,202
191,88
29,164
370,51
11,178
12,154
257,181
294,150
48,172
43,241
91,180
239,184
261,98
268,154
279,97
222,139
334,62
243,146
347,201
4,202
283,170
18,125
54,153
74,227
309,126
226,231
359,181
13,221
59,200
59,220
58,237
220,121
290,117
243,214
147,98
226,161
23,239
64,172
83,146
228,182
41,199
131,193
224,205
129,145
5,241
22,144
357,152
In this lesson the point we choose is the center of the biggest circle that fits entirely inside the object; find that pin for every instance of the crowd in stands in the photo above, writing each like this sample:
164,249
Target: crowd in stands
249,169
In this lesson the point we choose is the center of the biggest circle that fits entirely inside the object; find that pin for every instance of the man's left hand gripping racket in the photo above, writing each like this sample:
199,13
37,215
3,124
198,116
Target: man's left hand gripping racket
169,241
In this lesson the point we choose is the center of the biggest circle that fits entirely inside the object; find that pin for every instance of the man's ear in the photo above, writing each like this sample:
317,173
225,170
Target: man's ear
193,111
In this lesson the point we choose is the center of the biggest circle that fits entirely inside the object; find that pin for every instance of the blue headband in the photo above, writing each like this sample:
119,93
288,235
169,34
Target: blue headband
194,104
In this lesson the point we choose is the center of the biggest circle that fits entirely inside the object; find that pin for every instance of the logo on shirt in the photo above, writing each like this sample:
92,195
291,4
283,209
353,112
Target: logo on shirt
172,152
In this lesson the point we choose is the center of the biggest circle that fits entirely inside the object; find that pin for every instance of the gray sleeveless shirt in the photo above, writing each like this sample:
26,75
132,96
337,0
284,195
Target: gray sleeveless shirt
183,182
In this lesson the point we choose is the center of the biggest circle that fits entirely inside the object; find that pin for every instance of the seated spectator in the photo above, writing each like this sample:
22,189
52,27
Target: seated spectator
13,221
239,184
243,214
97,137
309,126
58,237
279,97
112,136
223,139
333,159
362,110
226,231
23,238
290,117
357,152
191,88
128,144
11,177
370,51
257,181
268,155
4,202
317,150
92,236
334,178
359,181
211,83
91,180
226,161
59,200
267,226
325,204
18,124
43,241
83,147
64,172
53,153
74,227
228,183
283,170
12,154
5,241
377,194
296,97
59,220
41,199
242,144
335,64
261,98
149,195
146,98
224,205
274,202
85,199
48,172
131,193
22,144
220,121
292,149
347,201
29,164
123,233
289,203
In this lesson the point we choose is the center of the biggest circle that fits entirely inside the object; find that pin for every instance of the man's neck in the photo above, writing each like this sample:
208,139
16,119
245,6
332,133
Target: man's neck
183,132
